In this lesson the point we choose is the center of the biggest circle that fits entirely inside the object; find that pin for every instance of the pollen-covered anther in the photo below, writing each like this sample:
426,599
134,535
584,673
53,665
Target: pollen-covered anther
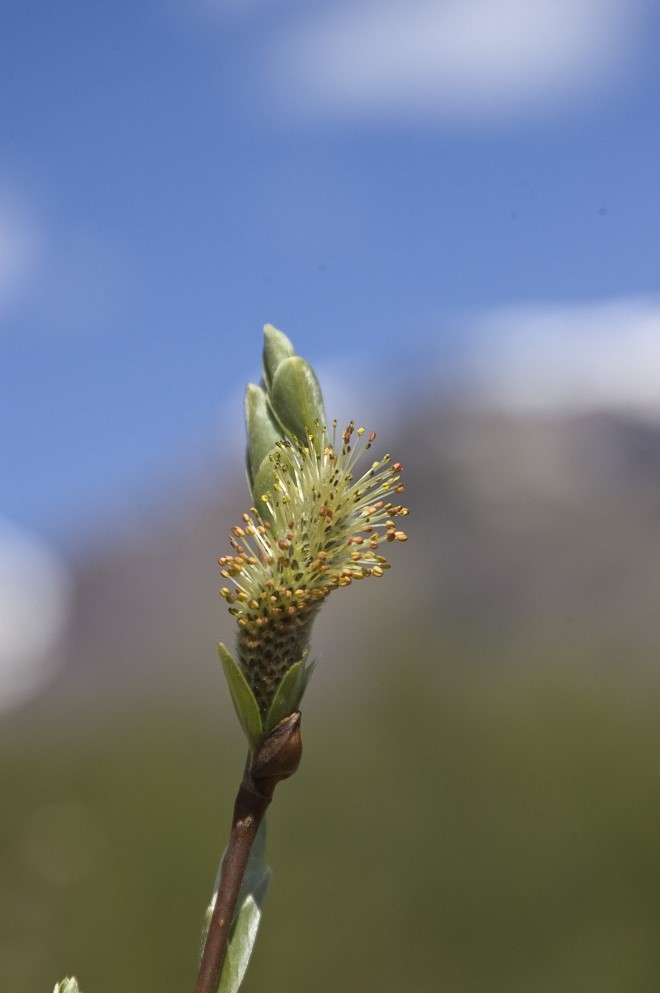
306,543
348,433
400,536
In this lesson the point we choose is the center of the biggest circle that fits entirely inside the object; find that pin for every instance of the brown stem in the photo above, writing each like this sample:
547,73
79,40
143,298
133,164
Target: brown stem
277,758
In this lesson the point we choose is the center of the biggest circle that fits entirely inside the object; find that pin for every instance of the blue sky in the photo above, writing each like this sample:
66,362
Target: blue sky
392,184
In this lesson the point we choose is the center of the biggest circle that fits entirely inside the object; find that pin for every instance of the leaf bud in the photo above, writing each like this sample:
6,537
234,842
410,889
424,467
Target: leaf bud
277,348
297,400
263,432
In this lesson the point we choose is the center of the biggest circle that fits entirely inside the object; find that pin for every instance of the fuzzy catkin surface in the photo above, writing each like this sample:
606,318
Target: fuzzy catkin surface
267,654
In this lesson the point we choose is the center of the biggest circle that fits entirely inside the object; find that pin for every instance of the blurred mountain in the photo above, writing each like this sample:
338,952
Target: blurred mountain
536,526
494,745
526,531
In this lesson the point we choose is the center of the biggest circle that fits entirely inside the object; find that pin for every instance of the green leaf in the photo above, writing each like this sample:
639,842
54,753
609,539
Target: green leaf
262,431
277,348
67,986
297,401
288,696
247,917
307,674
262,486
243,699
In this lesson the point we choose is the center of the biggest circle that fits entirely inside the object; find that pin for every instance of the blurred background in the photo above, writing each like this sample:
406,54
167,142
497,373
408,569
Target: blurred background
452,209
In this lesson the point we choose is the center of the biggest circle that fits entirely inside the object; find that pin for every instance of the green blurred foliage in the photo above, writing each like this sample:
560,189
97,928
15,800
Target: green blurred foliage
458,826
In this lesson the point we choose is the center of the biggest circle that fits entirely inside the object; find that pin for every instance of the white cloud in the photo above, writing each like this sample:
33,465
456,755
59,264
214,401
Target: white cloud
573,357
458,58
20,246
35,603
66,280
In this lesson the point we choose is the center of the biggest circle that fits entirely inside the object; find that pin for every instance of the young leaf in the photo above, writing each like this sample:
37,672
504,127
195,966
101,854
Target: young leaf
262,431
67,986
288,695
243,699
247,916
263,488
307,674
297,401
277,348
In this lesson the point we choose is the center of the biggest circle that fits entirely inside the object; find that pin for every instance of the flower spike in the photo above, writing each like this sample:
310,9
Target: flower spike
323,509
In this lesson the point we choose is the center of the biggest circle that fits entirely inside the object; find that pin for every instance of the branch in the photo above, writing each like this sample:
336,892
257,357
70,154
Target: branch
276,759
